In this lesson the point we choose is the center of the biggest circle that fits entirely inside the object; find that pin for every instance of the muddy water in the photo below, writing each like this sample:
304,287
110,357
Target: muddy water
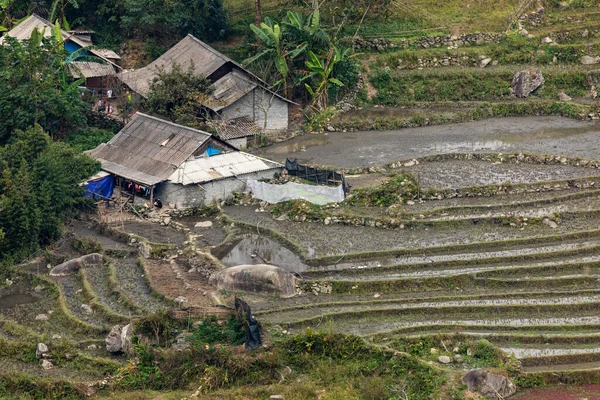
256,249
544,352
541,135
13,300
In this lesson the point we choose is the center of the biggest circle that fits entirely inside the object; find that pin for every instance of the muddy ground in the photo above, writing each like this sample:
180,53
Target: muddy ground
540,135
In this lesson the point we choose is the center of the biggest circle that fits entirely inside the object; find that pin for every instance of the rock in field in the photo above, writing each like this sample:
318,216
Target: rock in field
87,309
41,350
74,265
261,278
589,60
564,97
41,317
119,339
444,360
492,386
203,224
550,223
526,81
47,365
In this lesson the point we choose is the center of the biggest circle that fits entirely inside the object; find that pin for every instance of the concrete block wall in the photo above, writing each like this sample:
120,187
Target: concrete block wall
254,105
190,196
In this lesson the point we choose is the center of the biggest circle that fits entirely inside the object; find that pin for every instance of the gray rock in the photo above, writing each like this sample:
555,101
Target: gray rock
457,358
444,360
182,303
564,97
492,386
87,309
40,350
485,62
38,288
119,339
167,221
550,223
526,81
203,224
547,40
523,32
74,265
47,365
276,397
330,128
41,317
56,337
589,60
261,278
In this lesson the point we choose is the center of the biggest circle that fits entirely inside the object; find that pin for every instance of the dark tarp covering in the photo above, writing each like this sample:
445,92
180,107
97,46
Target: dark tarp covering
320,176
244,313
100,189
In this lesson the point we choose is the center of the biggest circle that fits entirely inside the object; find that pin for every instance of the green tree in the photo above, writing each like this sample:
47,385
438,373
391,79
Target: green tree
205,19
39,188
37,88
179,95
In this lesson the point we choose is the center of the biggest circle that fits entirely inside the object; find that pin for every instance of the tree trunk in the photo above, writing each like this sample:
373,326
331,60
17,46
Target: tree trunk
257,13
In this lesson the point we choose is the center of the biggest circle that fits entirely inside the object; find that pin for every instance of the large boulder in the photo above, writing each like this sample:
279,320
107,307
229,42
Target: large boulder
74,265
261,278
526,81
492,386
119,339
589,60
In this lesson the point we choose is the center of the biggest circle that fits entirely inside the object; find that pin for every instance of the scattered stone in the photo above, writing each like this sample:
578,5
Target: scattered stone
550,223
276,397
564,97
485,62
457,358
523,32
376,295
589,60
444,360
284,373
456,349
41,317
38,288
167,221
330,128
492,386
327,221
47,365
181,302
526,81
92,347
56,337
547,40
87,309
585,33
433,350
203,224
40,350
9,282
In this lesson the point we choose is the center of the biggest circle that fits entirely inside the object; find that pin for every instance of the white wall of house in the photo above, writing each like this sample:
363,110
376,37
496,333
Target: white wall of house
240,143
190,196
259,104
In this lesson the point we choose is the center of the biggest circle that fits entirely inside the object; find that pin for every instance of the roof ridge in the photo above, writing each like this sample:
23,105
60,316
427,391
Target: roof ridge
172,123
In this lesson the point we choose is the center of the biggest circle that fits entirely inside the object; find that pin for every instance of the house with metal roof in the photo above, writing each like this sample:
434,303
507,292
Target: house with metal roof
98,75
151,158
237,92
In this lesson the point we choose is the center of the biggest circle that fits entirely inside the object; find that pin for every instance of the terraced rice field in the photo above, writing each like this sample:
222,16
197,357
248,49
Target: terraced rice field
532,289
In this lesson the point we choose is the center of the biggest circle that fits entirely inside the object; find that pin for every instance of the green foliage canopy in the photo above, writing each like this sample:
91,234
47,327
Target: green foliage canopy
36,88
39,187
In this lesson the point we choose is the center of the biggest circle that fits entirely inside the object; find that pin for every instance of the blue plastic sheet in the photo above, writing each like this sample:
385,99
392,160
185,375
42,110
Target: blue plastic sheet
211,151
100,189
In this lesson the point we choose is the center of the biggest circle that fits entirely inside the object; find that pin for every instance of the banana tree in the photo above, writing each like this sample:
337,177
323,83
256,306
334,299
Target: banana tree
57,11
321,75
307,30
270,34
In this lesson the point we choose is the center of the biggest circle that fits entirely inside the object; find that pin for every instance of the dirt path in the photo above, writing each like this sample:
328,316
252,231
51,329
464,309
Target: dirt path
541,135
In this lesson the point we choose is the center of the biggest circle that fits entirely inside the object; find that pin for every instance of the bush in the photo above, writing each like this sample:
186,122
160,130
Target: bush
398,189
210,331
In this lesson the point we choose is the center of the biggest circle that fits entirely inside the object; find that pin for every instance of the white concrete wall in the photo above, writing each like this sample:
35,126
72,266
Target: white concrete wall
191,196
241,143
254,104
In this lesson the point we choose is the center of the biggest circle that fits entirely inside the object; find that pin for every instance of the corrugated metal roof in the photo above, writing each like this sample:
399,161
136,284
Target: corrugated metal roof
229,89
236,128
148,150
80,69
108,53
190,49
206,169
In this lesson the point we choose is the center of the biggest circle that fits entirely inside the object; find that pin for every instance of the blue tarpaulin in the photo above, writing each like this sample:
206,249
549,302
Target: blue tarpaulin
100,189
211,151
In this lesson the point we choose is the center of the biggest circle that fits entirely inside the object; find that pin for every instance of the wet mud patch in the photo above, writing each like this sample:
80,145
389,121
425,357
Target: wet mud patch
256,249
132,281
16,299
464,173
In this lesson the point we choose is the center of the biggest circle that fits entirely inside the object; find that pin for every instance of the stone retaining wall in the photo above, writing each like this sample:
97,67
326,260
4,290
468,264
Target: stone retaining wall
469,39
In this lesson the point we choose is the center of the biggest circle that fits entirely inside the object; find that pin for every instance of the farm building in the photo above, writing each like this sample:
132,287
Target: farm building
237,92
184,167
99,76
